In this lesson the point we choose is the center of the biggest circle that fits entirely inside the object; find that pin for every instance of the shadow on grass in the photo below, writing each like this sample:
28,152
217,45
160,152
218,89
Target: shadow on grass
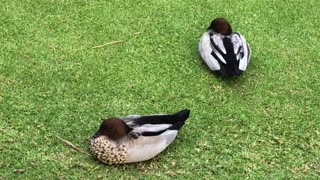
230,81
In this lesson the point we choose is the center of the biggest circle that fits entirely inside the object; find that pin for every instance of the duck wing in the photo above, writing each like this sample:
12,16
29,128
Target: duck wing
154,125
152,134
241,49
135,121
205,50
147,147
229,54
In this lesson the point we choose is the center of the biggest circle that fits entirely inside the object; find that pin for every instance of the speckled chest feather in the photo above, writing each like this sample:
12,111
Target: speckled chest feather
107,151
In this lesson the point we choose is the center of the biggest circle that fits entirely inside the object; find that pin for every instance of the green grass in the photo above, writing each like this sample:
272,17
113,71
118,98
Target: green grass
263,125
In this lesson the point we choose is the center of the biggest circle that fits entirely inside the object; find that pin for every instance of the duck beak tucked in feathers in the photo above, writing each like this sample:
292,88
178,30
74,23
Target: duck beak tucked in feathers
224,50
113,128
136,138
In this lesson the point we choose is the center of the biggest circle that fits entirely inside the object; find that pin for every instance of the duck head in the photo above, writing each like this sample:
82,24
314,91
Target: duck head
220,25
113,128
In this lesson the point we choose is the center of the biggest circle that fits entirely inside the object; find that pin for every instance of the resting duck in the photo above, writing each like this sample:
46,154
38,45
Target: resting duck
224,50
135,138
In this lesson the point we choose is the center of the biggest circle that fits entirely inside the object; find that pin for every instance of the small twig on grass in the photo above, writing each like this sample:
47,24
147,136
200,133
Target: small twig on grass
73,146
109,43
136,33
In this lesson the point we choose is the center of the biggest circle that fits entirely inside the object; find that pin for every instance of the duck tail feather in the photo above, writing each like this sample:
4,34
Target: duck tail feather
177,126
182,115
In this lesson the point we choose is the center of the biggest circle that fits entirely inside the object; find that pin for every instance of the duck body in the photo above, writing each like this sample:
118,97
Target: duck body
224,50
135,138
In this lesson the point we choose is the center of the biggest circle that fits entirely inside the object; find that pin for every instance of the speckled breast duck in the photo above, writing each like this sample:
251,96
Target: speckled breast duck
135,138
224,50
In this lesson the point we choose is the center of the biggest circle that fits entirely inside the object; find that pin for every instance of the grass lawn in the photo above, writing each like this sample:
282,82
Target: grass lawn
59,78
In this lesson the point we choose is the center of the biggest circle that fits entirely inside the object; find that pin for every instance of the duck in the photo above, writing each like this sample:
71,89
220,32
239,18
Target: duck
135,138
223,49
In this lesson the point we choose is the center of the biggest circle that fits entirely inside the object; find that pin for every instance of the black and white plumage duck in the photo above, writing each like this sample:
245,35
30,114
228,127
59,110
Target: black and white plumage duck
224,50
135,138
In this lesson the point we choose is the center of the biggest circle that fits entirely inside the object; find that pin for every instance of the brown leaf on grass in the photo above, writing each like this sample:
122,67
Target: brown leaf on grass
192,167
19,171
279,140
170,172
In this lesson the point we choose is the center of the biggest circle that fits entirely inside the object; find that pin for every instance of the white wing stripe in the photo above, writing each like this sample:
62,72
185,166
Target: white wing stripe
152,127
236,41
246,54
219,55
205,50
217,39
